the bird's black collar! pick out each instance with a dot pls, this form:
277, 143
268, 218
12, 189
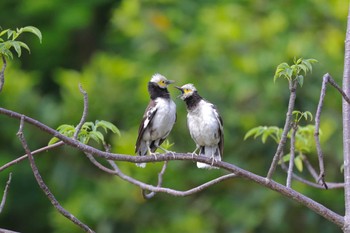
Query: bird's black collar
193, 100
155, 91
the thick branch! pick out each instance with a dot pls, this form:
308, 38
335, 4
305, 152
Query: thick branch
42, 184
287, 125
346, 126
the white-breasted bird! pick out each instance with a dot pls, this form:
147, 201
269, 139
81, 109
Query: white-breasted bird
158, 119
204, 123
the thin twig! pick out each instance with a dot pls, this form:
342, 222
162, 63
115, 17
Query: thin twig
159, 184
292, 155
330, 185
286, 128
85, 111
35, 152
2, 73
42, 184
317, 130
334, 84
3, 200
116, 171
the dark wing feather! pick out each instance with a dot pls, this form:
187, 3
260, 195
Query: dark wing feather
146, 122
221, 130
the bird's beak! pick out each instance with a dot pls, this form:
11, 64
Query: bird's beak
180, 89
170, 82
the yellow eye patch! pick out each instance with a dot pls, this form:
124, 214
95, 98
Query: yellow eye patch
186, 91
162, 83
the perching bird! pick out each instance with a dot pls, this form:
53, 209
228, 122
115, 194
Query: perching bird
204, 123
158, 119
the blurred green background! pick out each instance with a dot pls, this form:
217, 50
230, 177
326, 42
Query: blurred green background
228, 49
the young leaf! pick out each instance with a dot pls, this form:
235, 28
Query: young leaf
33, 30
53, 141
298, 163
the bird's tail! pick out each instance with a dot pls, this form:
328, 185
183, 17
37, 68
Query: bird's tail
141, 151
212, 152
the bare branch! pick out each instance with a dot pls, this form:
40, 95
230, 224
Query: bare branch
85, 111
330, 185
331, 81
2, 73
292, 155
23, 157
3, 200
159, 184
346, 126
292, 194
287, 125
116, 171
42, 184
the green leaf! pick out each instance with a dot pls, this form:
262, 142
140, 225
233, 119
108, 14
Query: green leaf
298, 163
252, 132
17, 47
107, 125
97, 136
53, 141
300, 80
33, 30
284, 159
4, 32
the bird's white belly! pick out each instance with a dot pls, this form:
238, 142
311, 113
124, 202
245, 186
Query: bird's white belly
204, 129
163, 121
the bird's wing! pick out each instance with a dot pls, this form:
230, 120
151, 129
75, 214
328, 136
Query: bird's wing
221, 129
146, 121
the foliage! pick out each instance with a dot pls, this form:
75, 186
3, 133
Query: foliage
11, 42
228, 49
293, 72
88, 131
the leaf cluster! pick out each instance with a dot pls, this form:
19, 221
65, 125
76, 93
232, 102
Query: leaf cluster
294, 72
12, 42
88, 131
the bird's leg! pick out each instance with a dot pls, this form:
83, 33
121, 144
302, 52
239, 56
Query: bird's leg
195, 150
150, 152
167, 151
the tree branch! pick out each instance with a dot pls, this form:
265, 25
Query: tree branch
159, 184
313, 205
346, 126
156, 189
42, 184
85, 111
23, 157
287, 125
2, 73
3, 200
292, 155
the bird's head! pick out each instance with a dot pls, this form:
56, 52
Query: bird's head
187, 90
161, 81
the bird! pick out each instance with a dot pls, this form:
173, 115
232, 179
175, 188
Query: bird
158, 118
204, 123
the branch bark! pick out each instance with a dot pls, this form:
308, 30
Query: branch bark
3, 200
2, 73
346, 127
42, 184
286, 128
